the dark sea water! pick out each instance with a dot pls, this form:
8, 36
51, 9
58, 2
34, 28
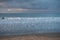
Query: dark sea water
37, 14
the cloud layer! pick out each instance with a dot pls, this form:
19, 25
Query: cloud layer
31, 4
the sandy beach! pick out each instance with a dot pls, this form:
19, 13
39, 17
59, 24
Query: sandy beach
32, 37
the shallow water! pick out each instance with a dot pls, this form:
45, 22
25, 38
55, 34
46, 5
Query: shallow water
29, 25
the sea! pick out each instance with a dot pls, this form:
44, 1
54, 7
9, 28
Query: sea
29, 23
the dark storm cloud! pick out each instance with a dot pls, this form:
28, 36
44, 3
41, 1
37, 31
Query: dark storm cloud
4, 0
32, 4
35, 4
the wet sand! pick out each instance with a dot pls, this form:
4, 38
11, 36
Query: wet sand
32, 37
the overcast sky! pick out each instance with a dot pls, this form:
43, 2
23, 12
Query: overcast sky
31, 4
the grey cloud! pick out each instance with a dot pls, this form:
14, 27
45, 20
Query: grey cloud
4, 0
33, 4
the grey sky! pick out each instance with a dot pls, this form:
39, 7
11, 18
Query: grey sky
31, 4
